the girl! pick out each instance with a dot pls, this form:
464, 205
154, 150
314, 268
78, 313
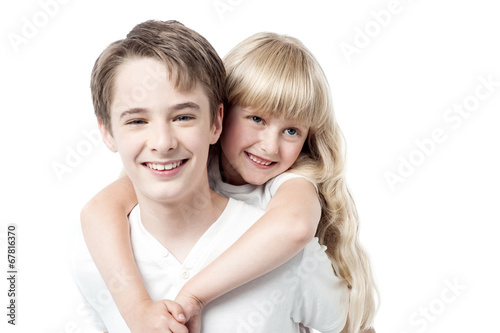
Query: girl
282, 150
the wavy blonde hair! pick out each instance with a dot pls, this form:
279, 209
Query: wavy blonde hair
279, 76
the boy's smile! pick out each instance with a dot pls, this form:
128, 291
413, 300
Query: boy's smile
164, 166
162, 133
164, 169
256, 148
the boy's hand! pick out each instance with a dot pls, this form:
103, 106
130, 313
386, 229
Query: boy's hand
157, 317
192, 309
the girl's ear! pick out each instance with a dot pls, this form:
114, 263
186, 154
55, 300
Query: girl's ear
217, 124
107, 137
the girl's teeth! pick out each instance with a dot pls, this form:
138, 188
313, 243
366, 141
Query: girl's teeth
162, 167
258, 161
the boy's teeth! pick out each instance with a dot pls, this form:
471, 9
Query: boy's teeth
256, 160
162, 167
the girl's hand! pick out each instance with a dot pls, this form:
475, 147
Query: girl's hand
157, 317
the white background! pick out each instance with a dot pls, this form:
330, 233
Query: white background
436, 227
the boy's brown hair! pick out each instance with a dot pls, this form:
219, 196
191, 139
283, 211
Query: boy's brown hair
188, 56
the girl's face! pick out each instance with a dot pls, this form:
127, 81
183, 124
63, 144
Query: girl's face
256, 148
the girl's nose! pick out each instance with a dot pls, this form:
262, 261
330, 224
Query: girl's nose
269, 142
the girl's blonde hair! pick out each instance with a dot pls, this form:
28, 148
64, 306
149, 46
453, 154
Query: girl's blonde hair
278, 76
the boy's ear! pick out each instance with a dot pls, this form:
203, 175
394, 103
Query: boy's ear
217, 124
107, 137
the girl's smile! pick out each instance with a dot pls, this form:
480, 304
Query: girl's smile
261, 162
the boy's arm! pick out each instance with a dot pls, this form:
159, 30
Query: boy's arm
106, 231
290, 222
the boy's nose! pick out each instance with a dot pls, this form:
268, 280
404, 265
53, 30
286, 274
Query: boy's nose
162, 139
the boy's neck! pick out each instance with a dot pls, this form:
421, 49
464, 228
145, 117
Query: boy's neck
179, 225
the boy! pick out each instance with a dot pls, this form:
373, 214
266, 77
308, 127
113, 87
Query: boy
158, 98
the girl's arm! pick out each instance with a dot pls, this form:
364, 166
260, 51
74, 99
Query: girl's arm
106, 231
290, 222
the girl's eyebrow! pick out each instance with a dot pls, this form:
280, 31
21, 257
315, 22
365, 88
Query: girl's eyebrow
253, 112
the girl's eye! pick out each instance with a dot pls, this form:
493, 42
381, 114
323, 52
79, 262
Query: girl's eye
291, 131
257, 119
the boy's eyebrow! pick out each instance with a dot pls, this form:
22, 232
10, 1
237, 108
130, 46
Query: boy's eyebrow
187, 105
176, 107
133, 111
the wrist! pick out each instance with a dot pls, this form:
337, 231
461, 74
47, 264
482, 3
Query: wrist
135, 310
191, 304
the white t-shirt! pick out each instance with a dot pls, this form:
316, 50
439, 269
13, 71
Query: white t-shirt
303, 290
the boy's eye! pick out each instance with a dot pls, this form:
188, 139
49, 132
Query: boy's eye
135, 122
184, 118
256, 119
291, 131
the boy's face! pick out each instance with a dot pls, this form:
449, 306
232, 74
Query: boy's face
259, 147
162, 134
